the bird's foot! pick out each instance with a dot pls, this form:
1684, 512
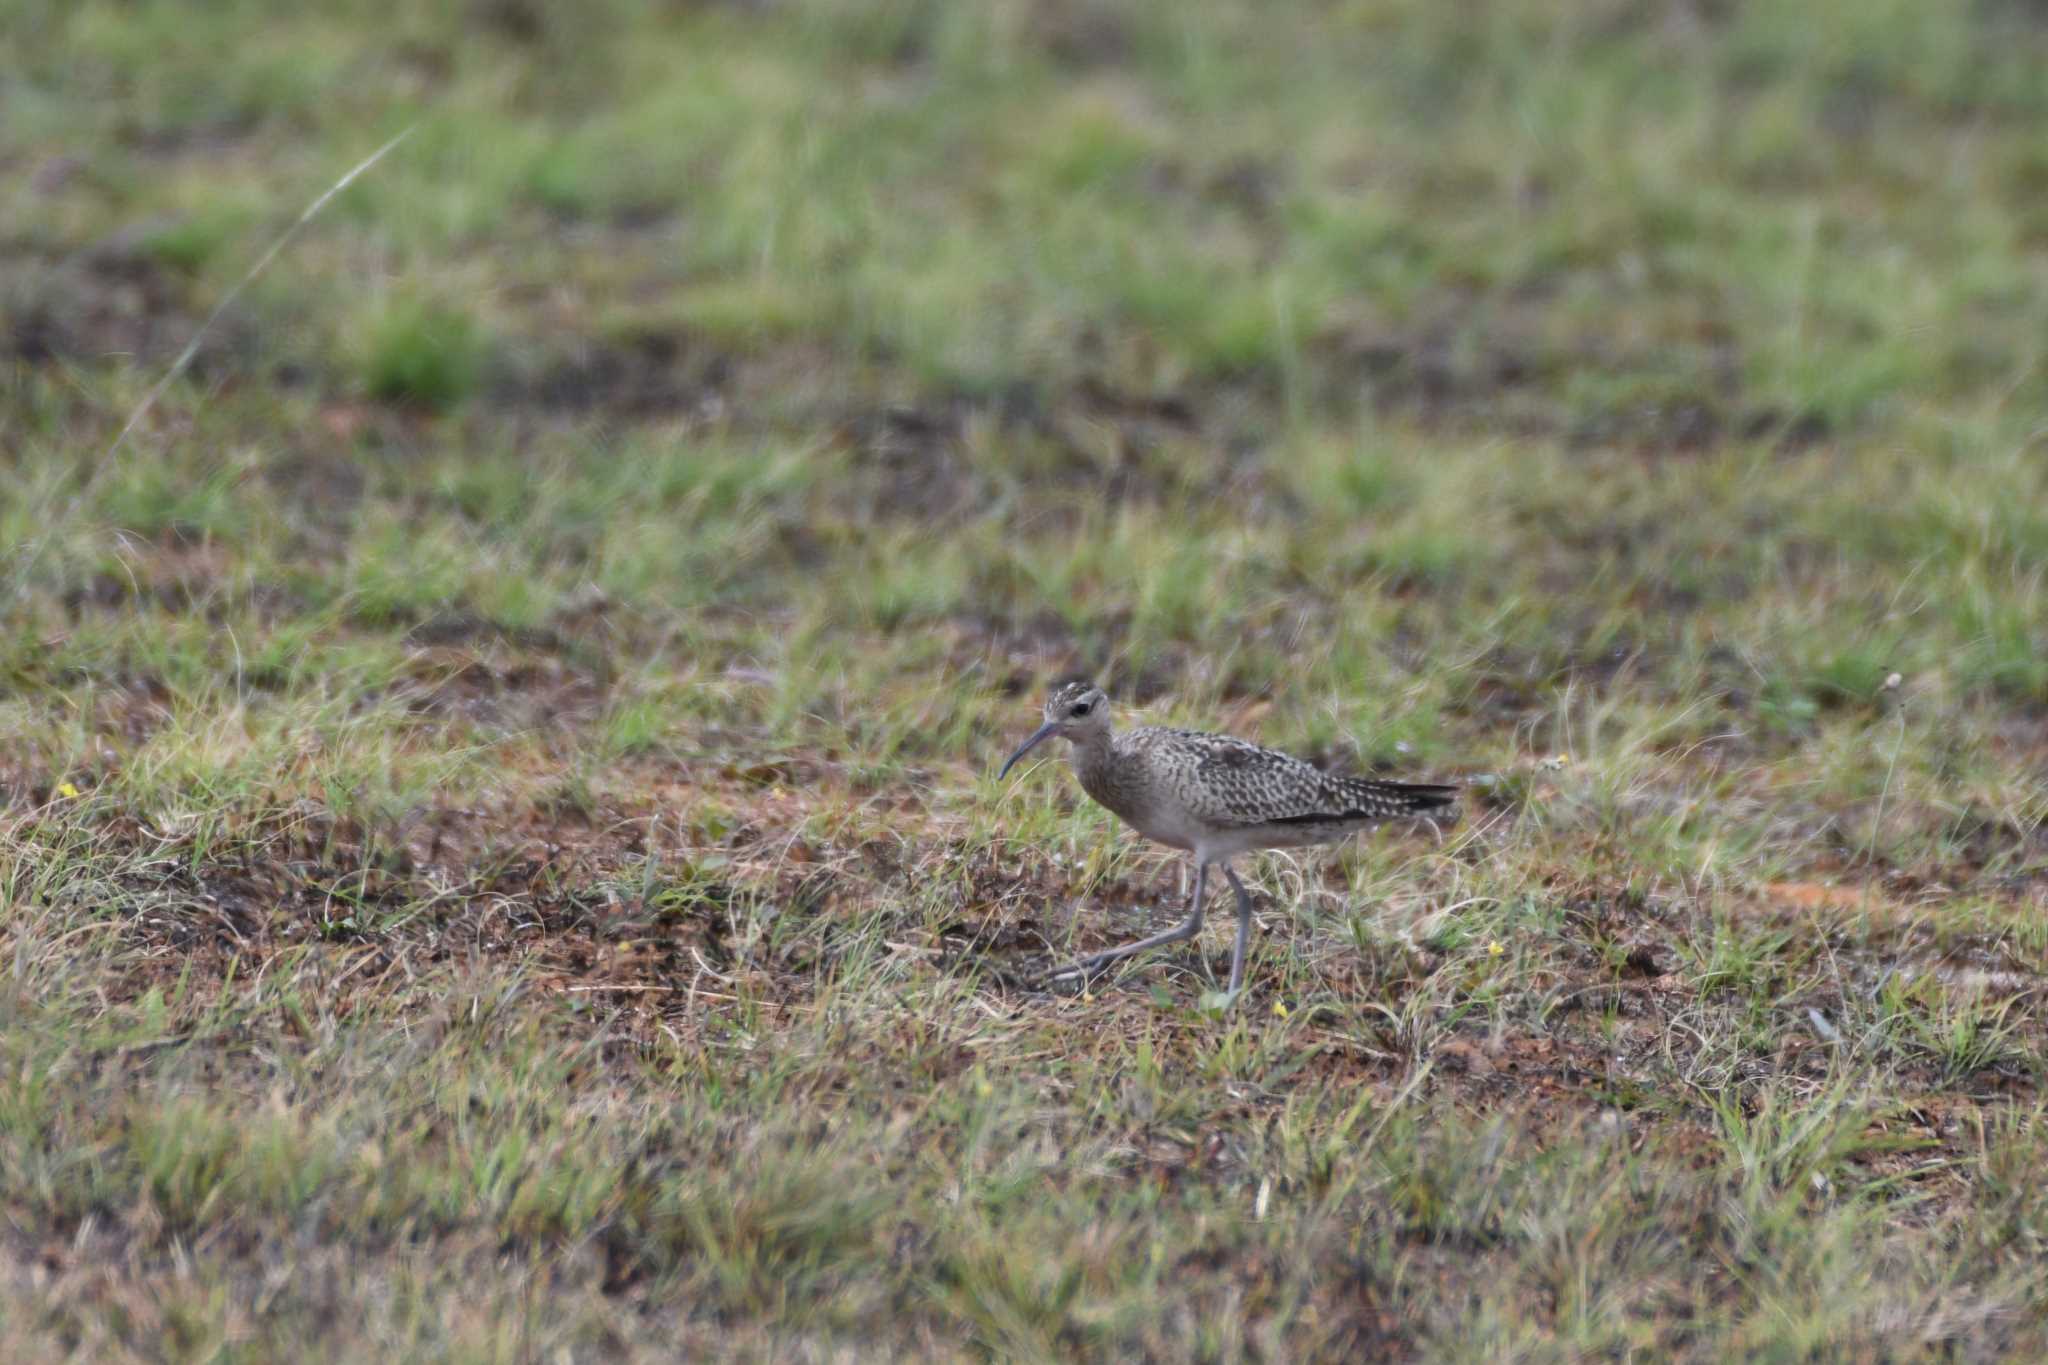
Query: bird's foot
1094, 963
1082, 970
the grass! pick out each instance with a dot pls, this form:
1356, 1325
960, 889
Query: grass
498, 852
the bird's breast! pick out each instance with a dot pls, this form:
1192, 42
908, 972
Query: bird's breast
1122, 789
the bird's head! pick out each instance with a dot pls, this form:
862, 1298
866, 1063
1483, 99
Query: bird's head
1075, 711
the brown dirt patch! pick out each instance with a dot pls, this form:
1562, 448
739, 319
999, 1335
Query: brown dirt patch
179, 572
1082, 35
1474, 365
111, 301
652, 374
910, 463
1103, 444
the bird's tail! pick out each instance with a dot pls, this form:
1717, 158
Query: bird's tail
1369, 796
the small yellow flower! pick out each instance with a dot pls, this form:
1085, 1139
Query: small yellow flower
1493, 948
67, 791
1279, 1010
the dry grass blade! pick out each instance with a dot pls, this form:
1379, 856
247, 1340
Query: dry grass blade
227, 300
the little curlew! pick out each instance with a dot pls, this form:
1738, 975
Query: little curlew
1214, 796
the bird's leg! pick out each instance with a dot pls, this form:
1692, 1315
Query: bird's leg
1088, 966
1244, 929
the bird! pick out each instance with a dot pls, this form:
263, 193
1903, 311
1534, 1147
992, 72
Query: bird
1215, 796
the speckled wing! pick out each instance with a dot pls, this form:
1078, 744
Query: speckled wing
1239, 783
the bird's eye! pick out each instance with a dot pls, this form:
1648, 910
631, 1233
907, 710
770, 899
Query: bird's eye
1082, 708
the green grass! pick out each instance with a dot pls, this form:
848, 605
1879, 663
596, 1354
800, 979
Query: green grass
422, 353
498, 849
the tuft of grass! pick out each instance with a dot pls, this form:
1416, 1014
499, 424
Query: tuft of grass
425, 353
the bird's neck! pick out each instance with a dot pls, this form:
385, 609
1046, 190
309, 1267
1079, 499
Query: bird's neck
1093, 751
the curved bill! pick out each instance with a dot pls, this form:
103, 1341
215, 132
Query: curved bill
1044, 732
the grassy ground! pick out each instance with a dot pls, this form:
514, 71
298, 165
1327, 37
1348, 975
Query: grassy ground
498, 857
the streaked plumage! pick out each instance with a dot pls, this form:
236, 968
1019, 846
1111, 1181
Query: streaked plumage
1216, 796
